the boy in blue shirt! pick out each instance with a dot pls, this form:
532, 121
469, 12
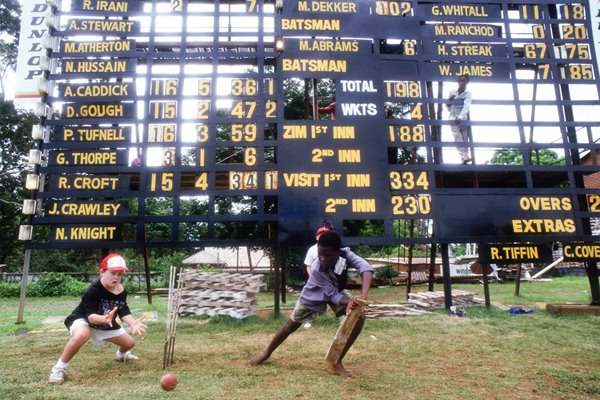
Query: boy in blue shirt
321, 290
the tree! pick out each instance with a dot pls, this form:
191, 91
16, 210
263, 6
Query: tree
10, 21
515, 157
15, 130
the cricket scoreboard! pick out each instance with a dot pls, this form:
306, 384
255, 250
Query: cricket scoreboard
193, 123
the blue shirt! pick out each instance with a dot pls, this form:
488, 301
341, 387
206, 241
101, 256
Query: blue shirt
322, 286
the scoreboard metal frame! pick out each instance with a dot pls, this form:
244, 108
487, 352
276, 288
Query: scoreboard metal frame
183, 103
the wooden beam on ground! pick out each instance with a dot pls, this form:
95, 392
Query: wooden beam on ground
573, 308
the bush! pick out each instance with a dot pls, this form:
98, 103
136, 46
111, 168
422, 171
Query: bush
133, 287
56, 284
10, 289
386, 274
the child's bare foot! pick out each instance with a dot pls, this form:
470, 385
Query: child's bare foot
339, 369
259, 359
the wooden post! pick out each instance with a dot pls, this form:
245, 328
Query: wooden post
431, 283
147, 273
486, 286
447, 279
518, 280
276, 307
24, 276
282, 273
411, 228
344, 331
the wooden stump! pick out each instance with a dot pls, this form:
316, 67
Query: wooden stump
343, 332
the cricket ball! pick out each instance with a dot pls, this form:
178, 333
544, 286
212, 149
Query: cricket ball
168, 381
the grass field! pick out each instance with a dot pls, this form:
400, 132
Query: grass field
489, 354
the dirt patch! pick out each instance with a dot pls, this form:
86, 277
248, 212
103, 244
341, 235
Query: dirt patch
265, 313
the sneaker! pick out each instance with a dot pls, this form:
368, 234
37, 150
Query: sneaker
127, 356
57, 376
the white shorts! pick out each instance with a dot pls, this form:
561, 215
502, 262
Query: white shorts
98, 335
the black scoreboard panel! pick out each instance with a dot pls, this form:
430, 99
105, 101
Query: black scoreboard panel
171, 125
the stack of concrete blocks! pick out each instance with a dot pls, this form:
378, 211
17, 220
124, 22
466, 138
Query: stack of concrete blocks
209, 293
430, 300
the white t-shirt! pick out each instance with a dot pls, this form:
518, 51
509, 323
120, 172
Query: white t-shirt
312, 253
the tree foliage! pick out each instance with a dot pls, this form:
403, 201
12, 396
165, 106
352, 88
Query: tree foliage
15, 129
10, 21
515, 157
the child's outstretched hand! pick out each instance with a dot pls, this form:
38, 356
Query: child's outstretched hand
108, 317
137, 326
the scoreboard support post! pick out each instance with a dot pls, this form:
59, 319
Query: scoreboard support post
446, 275
26, 263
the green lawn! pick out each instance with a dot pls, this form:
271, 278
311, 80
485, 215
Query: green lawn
488, 354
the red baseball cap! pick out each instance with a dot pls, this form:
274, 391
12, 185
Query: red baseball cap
113, 262
322, 229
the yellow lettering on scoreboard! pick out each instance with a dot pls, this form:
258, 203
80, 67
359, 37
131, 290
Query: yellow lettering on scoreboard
295, 132
79, 66
297, 24
543, 225
85, 209
88, 182
98, 90
98, 47
105, 5
459, 10
327, 6
95, 110
464, 30
94, 158
364, 205
480, 50
301, 179
514, 253
106, 25
344, 46
358, 180
86, 233
581, 250
300, 64
94, 134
